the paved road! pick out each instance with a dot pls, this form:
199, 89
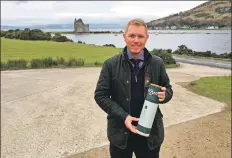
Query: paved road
49, 113
206, 62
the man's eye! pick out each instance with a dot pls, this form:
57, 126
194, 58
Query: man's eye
132, 36
140, 36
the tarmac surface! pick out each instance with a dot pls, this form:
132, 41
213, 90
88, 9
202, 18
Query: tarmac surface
205, 62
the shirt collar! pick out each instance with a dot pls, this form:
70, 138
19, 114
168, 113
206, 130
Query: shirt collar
130, 56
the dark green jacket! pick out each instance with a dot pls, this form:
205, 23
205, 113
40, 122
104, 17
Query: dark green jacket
113, 94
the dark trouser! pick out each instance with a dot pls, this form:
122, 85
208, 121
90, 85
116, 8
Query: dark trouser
136, 144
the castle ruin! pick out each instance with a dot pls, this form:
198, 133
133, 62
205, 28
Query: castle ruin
80, 27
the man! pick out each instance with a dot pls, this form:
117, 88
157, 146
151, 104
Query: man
121, 91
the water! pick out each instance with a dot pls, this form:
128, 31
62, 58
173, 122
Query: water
216, 41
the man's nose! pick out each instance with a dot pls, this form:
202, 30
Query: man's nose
136, 39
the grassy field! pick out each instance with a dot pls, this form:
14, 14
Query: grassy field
218, 88
19, 49
91, 54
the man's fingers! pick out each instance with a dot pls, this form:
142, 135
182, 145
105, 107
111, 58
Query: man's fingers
161, 100
133, 126
163, 89
134, 119
133, 129
161, 96
161, 93
129, 125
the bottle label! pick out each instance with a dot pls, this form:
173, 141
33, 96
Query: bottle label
148, 114
152, 94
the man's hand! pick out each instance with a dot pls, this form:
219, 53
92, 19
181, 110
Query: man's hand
161, 95
128, 123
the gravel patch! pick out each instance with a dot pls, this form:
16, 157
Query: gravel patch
51, 113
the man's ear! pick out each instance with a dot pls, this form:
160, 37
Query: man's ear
147, 36
124, 36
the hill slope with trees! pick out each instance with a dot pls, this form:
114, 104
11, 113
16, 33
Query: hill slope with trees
209, 14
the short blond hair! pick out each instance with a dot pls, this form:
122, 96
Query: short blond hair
137, 22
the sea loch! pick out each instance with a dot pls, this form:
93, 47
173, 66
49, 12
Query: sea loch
216, 41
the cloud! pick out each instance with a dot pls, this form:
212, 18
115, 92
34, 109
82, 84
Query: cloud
51, 12
20, 2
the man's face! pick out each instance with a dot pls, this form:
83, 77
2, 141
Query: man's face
135, 38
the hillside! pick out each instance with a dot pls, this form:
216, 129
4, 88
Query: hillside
211, 13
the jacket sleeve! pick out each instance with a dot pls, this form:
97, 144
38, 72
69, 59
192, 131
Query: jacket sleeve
103, 92
165, 82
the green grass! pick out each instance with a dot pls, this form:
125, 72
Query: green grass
19, 49
217, 88
172, 65
92, 55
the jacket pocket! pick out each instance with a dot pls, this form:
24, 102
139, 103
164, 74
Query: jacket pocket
117, 133
156, 137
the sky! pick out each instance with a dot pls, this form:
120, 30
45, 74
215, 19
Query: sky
21, 13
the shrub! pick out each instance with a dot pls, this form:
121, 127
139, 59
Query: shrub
201, 15
59, 38
49, 62
34, 34
12, 64
9, 35
48, 36
37, 34
28, 64
165, 55
229, 55
3, 66
97, 63
203, 54
3, 33
221, 10
75, 62
60, 61
226, 55
182, 49
169, 51
214, 55
36, 63
43, 63
109, 45
81, 42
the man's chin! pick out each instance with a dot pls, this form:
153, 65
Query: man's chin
135, 51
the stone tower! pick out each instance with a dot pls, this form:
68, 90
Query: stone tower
80, 27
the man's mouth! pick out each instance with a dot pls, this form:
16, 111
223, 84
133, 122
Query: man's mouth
135, 46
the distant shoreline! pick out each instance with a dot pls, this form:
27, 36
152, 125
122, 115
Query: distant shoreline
90, 32
153, 32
